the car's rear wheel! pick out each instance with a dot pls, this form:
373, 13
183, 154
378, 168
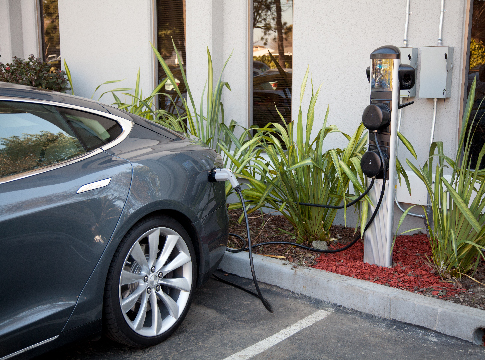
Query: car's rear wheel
150, 283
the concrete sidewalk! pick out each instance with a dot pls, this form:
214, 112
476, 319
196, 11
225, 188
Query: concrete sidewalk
445, 317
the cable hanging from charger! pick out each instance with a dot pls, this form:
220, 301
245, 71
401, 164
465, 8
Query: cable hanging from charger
226, 174
327, 251
223, 175
360, 197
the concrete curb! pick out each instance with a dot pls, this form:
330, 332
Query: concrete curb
442, 316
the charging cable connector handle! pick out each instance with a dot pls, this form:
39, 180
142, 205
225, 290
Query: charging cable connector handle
217, 174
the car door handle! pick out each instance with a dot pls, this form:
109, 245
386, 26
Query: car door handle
94, 185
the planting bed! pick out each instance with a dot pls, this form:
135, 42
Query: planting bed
412, 267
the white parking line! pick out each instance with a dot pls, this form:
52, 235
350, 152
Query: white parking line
265, 344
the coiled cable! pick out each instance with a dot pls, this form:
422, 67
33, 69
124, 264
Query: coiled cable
250, 246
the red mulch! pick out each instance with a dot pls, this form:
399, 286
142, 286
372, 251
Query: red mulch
411, 270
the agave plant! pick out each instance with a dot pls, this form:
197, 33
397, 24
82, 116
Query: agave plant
457, 224
241, 154
206, 125
297, 169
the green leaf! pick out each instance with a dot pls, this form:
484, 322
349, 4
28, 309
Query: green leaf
463, 207
408, 145
69, 78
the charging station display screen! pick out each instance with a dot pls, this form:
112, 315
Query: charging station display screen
381, 79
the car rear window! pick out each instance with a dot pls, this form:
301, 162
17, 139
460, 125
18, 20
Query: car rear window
92, 130
34, 136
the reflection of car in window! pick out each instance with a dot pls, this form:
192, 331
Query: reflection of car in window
259, 67
271, 91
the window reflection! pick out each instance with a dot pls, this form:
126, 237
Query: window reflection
171, 25
33, 136
477, 70
30, 141
51, 48
272, 61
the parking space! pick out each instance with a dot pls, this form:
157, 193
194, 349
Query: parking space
224, 322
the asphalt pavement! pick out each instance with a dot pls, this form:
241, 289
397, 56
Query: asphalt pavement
227, 323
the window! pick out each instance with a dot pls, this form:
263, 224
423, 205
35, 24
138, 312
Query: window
477, 70
91, 130
34, 136
171, 26
51, 49
272, 61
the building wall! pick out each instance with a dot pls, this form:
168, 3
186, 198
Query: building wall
110, 40
107, 40
336, 45
222, 27
334, 40
19, 26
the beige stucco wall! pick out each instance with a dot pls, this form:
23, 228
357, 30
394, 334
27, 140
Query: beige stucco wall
110, 40
221, 26
107, 40
335, 39
19, 34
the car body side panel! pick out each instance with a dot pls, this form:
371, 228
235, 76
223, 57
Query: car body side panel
58, 244
173, 170
172, 181
51, 239
213, 237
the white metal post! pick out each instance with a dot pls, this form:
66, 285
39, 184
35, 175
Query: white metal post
378, 238
392, 162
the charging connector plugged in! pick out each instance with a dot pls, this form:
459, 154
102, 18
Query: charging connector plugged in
222, 174
218, 174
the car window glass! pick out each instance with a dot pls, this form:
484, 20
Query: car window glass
33, 136
92, 130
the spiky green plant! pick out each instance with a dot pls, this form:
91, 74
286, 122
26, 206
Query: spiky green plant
144, 107
206, 124
297, 169
457, 233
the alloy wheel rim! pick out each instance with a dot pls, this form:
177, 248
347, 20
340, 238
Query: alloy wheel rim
155, 281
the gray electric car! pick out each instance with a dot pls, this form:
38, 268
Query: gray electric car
107, 222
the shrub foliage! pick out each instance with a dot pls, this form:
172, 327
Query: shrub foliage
33, 72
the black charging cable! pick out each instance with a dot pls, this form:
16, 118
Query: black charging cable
265, 302
346, 205
339, 206
327, 251
249, 248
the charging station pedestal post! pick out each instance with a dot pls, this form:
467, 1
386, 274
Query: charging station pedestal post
380, 117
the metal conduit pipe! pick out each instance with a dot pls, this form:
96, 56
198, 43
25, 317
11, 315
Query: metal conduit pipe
406, 43
406, 24
440, 40
435, 106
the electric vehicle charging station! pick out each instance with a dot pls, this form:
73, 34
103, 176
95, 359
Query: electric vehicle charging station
387, 78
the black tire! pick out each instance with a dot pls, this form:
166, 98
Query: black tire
142, 277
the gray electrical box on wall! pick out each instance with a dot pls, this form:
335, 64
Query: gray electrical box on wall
436, 65
409, 56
